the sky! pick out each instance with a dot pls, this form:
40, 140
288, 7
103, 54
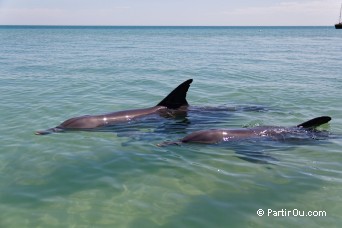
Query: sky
170, 12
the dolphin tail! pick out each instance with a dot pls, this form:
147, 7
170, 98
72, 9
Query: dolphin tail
313, 123
168, 143
258, 158
177, 97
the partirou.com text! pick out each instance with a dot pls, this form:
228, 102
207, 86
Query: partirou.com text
290, 212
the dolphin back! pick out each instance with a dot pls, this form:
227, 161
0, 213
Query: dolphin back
313, 123
177, 97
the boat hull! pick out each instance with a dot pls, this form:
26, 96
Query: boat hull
338, 26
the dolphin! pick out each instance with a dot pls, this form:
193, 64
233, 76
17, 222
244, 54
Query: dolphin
215, 136
171, 105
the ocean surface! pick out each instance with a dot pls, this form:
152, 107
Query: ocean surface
243, 77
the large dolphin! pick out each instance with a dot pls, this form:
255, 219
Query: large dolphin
172, 103
214, 136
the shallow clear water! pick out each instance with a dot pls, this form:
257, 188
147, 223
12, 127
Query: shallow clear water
122, 179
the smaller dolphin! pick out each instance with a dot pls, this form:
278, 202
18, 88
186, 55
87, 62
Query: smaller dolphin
172, 104
214, 136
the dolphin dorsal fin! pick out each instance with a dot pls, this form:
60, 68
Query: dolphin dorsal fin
315, 122
177, 97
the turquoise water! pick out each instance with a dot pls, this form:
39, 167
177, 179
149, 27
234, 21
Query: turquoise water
122, 179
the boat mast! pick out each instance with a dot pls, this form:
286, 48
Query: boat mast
340, 14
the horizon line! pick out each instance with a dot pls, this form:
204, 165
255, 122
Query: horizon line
56, 25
